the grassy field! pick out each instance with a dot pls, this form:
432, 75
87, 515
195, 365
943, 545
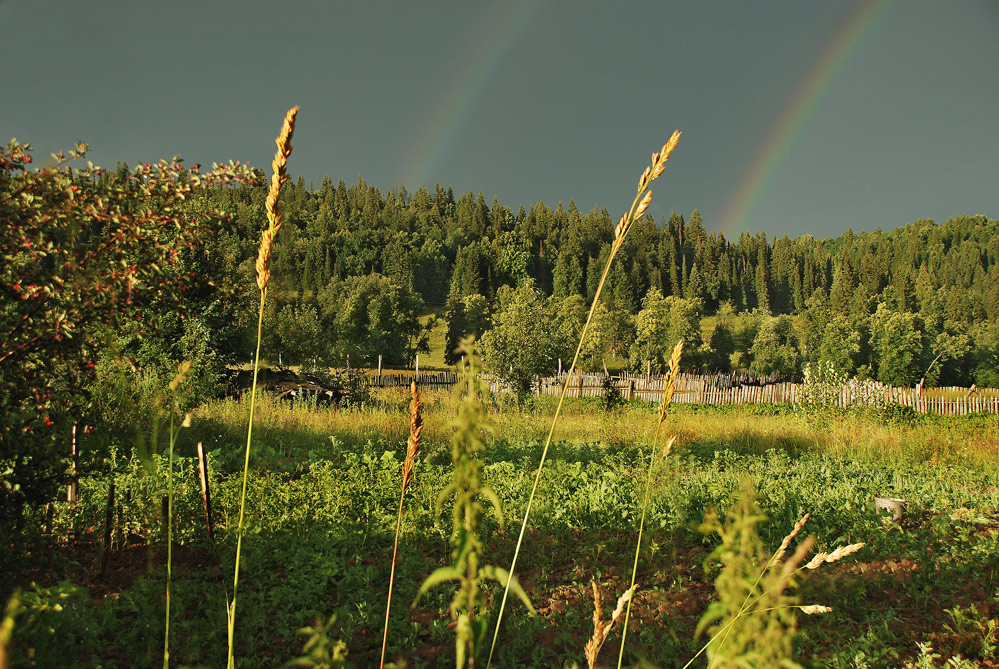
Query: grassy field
323, 491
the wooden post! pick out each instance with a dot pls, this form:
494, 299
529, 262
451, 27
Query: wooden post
71, 493
560, 366
580, 385
417, 366
206, 493
631, 389
648, 368
379, 365
108, 527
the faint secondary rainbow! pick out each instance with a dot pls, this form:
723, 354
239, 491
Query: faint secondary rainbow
758, 176
504, 27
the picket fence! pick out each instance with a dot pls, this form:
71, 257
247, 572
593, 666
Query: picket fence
710, 389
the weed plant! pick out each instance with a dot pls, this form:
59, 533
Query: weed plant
471, 429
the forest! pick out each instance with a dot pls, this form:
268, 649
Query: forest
356, 269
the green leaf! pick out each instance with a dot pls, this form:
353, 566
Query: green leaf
495, 501
501, 576
436, 578
715, 611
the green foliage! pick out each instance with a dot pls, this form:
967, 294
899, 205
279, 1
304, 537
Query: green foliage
775, 348
373, 316
469, 315
298, 336
899, 347
662, 322
528, 337
320, 650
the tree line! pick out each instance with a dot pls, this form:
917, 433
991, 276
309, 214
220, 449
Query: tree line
357, 267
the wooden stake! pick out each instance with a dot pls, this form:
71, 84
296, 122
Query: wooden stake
71, 495
108, 527
206, 494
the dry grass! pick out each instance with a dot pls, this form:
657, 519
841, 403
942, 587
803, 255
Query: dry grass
601, 627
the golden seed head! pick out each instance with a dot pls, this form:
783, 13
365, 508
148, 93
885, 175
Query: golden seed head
843, 551
182, 370
644, 204
622, 600
787, 540
659, 166
643, 180
669, 446
622, 226
415, 433
817, 561
812, 609
272, 207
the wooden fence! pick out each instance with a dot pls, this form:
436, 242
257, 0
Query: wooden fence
697, 389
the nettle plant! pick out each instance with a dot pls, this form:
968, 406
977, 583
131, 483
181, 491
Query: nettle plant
467, 446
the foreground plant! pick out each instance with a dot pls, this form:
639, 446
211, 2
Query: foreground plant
469, 441
601, 627
274, 221
412, 452
754, 620
643, 198
664, 404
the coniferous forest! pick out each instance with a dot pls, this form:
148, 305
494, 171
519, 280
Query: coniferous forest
356, 267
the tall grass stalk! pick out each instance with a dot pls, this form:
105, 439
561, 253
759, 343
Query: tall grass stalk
412, 452
274, 220
643, 198
182, 371
668, 390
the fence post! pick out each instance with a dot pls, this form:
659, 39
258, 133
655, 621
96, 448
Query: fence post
379, 366
71, 495
417, 366
108, 526
206, 493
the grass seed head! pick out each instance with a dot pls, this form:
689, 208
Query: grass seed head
644, 204
812, 609
278, 178
415, 432
659, 159
601, 627
790, 537
182, 371
669, 446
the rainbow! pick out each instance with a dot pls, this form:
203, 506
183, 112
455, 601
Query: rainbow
505, 26
757, 178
